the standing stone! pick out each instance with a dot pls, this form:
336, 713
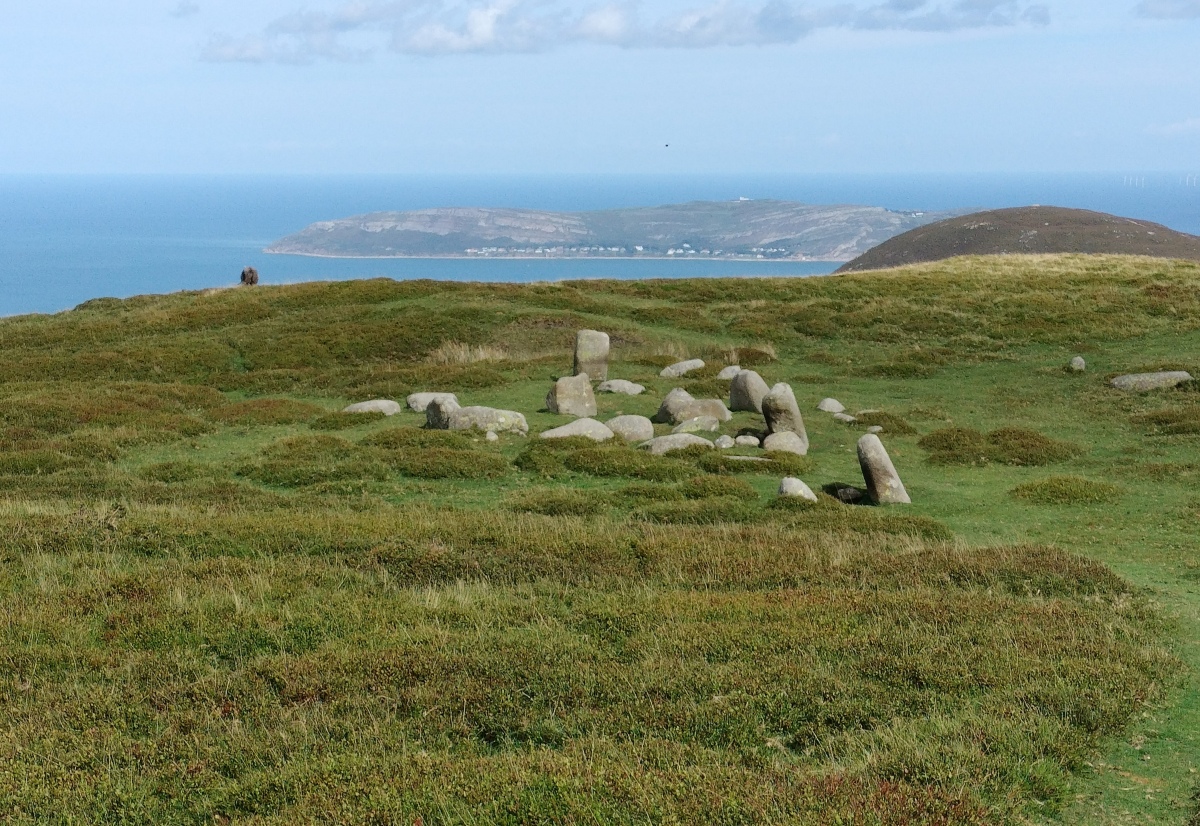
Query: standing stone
439, 411
249, 277
572, 396
746, 392
729, 372
1077, 365
793, 488
883, 483
783, 413
591, 354
631, 428
786, 442
831, 406
682, 368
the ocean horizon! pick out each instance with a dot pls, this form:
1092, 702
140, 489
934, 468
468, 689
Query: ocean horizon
65, 239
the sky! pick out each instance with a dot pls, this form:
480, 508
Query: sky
547, 86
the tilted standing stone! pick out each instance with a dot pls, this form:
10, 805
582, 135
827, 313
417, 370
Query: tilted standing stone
746, 392
782, 413
572, 396
883, 483
591, 354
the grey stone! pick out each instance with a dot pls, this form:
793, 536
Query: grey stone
831, 406
724, 442
591, 354
883, 483
625, 388
729, 372
746, 392
868, 412
844, 418
1141, 382
419, 401
572, 396
746, 459
590, 428
681, 368
676, 441
875, 428
783, 413
787, 442
748, 441
700, 424
679, 406
631, 428
793, 488
385, 406
492, 436
1077, 365
438, 413
487, 419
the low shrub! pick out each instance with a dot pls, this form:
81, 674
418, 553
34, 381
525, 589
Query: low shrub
639, 493
558, 502
266, 412
828, 514
627, 463
1067, 490
712, 487
1008, 445
890, 422
1178, 421
178, 471
448, 463
711, 511
345, 421
776, 462
416, 437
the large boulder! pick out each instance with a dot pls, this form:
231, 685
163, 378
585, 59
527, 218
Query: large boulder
679, 406
883, 483
572, 396
385, 406
831, 406
682, 368
676, 441
793, 488
625, 388
439, 411
631, 428
591, 354
746, 392
488, 419
1142, 382
700, 424
786, 442
590, 428
419, 401
783, 413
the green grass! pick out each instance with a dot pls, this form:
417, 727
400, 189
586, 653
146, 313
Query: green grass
223, 599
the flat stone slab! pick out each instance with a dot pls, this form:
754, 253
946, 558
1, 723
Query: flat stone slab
625, 388
845, 418
418, 402
1142, 382
831, 406
385, 406
590, 428
676, 441
487, 419
699, 424
631, 428
682, 368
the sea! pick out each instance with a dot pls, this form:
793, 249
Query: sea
69, 238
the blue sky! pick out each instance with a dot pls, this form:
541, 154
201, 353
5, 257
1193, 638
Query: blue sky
512, 86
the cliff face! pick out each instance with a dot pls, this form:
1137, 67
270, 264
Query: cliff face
1029, 230
768, 229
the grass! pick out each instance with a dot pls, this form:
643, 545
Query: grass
226, 602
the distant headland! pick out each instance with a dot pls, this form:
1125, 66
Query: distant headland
742, 229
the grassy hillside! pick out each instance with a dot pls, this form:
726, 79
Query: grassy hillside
226, 602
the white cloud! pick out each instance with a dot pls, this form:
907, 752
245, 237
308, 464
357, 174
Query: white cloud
1169, 9
1191, 126
438, 27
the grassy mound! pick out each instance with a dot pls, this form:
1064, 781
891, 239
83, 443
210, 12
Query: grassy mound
1008, 445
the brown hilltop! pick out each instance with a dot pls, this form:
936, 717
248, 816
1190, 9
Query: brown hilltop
1034, 229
